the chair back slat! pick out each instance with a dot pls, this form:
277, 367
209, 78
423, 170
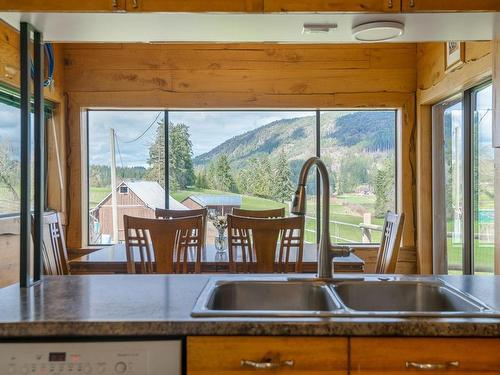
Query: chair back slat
54, 252
390, 243
163, 244
264, 245
162, 213
274, 213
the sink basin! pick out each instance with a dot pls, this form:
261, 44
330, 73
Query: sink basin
412, 297
266, 298
371, 296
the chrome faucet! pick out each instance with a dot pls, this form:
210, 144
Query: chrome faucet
326, 250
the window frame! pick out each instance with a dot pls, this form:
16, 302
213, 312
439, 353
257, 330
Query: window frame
440, 264
316, 112
11, 96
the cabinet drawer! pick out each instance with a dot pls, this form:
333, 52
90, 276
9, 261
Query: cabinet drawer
224, 355
394, 356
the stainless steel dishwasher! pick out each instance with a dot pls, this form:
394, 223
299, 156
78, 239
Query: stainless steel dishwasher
151, 357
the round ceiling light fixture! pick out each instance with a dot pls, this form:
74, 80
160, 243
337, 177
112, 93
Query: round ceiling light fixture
378, 31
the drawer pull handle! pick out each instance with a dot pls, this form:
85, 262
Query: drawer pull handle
432, 366
266, 365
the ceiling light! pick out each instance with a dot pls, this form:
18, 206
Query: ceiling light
318, 28
378, 31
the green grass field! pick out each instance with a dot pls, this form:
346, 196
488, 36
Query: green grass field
97, 194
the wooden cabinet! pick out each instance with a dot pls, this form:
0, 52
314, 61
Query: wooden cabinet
283, 355
194, 5
332, 6
251, 6
62, 6
450, 5
395, 356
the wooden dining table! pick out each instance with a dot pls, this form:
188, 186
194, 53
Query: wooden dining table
112, 259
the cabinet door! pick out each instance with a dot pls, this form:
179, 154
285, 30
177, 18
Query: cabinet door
285, 355
451, 5
332, 6
62, 6
397, 356
194, 5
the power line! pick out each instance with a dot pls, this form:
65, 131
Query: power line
145, 131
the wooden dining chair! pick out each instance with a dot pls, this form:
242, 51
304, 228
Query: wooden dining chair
54, 252
390, 243
163, 244
274, 213
265, 245
163, 213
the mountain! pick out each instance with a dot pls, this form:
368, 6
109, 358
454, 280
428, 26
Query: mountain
365, 131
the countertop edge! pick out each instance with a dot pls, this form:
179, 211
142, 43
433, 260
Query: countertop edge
411, 328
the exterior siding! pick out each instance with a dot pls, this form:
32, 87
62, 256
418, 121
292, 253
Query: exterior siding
128, 204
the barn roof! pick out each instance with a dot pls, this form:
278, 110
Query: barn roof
150, 192
216, 200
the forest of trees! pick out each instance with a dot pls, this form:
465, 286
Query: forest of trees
262, 177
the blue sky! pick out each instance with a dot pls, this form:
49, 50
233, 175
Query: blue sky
207, 128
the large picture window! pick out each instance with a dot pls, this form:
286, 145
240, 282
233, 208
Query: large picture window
248, 159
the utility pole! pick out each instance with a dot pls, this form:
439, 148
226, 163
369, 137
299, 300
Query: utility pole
113, 185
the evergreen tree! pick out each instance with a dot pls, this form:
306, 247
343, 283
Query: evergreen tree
181, 171
156, 161
263, 178
384, 189
282, 185
220, 176
246, 177
201, 179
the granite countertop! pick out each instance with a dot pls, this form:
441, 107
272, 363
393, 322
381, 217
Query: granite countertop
160, 305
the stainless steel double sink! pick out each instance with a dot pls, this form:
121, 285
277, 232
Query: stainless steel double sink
373, 296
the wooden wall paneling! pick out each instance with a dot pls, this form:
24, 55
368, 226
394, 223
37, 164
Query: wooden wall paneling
238, 76
9, 63
332, 6
407, 259
450, 5
56, 162
76, 170
434, 84
406, 170
241, 69
424, 189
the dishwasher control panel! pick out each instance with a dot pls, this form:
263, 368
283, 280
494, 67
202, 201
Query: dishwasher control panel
80, 358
